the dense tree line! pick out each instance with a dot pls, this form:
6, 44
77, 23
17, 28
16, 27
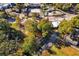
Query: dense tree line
70, 27
10, 39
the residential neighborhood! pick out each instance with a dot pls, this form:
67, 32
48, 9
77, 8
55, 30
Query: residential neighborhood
39, 29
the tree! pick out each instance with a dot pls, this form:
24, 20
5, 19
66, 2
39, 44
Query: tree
77, 7
3, 14
65, 27
30, 40
75, 21
44, 7
16, 24
63, 6
66, 7
20, 6
30, 25
58, 5
29, 44
10, 39
44, 26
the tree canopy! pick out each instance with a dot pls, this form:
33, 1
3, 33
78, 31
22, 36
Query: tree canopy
10, 39
65, 27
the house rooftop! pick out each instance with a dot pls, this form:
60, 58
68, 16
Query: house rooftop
34, 6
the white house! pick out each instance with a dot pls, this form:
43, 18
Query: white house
36, 10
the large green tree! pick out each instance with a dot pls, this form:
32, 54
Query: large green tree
30, 25
65, 27
29, 44
44, 27
75, 21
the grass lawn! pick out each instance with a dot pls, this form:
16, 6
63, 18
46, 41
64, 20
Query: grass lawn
65, 51
69, 51
57, 51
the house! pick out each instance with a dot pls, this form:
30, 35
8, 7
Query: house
1, 7
55, 16
6, 5
12, 4
8, 10
33, 9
